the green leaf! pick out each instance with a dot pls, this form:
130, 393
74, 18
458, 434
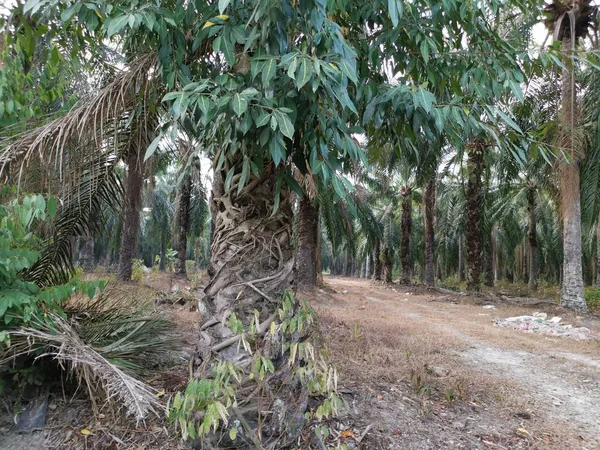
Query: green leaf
239, 104
152, 147
393, 11
268, 71
232, 433
263, 119
284, 123
116, 24
223, 4
304, 73
52, 207
227, 47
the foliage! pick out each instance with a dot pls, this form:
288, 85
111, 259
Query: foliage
22, 300
592, 298
138, 270
208, 403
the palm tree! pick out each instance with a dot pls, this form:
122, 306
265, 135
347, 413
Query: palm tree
570, 21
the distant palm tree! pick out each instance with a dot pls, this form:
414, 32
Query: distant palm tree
570, 21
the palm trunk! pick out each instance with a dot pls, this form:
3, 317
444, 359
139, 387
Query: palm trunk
377, 260
568, 172
489, 259
252, 254
87, 253
131, 212
429, 232
387, 266
474, 236
597, 281
185, 197
307, 245
406, 194
163, 253
461, 260
532, 235
319, 256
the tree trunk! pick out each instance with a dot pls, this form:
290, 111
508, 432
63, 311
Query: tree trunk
318, 255
387, 266
568, 180
597, 281
163, 253
87, 253
474, 236
406, 194
461, 260
532, 236
252, 255
307, 245
429, 201
131, 212
489, 259
185, 197
377, 260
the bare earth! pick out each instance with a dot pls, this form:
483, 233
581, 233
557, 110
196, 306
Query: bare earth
425, 370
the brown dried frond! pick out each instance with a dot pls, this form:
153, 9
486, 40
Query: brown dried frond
92, 127
562, 16
62, 343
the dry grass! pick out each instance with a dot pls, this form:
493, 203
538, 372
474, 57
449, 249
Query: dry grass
379, 336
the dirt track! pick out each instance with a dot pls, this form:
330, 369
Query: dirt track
428, 370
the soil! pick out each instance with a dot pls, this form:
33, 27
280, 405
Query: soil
422, 369
418, 369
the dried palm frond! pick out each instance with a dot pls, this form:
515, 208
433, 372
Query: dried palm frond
568, 17
61, 342
93, 127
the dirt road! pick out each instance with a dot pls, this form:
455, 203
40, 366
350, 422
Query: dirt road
425, 370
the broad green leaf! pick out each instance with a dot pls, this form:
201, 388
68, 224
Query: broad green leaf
393, 11
223, 4
152, 147
52, 207
285, 124
304, 73
116, 24
268, 71
239, 104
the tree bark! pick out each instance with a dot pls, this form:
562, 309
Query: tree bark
377, 260
597, 281
87, 253
306, 264
183, 214
387, 266
568, 172
252, 255
163, 253
429, 201
474, 199
406, 194
461, 260
532, 237
489, 259
319, 256
131, 211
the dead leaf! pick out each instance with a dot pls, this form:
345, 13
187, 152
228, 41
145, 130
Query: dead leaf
522, 432
347, 433
85, 432
160, 393
379, 396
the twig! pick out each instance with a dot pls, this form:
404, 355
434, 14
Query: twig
364, 433
249, 430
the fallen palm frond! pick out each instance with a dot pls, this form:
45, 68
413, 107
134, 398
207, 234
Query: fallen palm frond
122, 327
60, 341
